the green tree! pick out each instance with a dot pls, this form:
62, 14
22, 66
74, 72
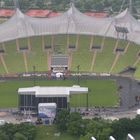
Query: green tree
62, 119
27, 130
19, 136
3, 136
86, 137
105, 133
76, 125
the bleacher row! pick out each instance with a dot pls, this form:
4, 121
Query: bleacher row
96, 56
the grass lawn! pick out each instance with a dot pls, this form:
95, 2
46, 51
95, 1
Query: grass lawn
48, 133
101, 92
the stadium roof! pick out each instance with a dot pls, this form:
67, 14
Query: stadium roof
53, 91
70, 22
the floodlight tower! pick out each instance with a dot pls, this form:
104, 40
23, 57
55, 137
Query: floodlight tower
78, 78
34, 79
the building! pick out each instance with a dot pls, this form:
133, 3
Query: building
30, 97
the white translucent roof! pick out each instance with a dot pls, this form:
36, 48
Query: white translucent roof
52, 91
70, 22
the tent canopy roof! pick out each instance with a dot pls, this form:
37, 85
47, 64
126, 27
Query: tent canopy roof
70, 22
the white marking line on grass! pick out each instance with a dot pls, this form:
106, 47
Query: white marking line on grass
25, 61
91, 42
68, 41
116, 45
70, 60
49, 59
137, 61
127, 46
103, 42
93, 60
77, 41
17, 45
43, 43
29, 43
3, 63
52, 41
115, 61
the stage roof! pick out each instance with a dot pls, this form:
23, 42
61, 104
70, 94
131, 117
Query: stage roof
52, 91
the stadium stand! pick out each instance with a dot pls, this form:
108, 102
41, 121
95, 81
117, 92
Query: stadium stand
59, 61
83, 56
127, 59
105, 58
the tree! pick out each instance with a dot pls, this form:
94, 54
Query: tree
75, 128
121, 127
19, 136
86, 137
76, 125
9, 129
28, 130
105, 133
3, 136
62, 119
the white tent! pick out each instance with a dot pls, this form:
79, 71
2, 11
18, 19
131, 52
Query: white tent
70, 22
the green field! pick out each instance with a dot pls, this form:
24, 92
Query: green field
101, 92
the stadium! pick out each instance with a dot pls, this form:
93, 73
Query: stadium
72, 44
72, 60
109, 46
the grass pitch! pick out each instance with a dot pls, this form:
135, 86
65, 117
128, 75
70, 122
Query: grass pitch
101, 92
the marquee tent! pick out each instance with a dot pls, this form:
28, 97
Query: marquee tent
70, 22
